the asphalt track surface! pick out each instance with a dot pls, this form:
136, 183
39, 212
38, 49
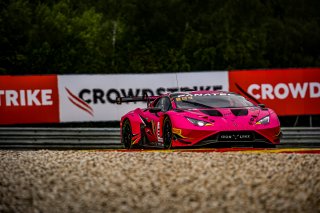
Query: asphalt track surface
178, 180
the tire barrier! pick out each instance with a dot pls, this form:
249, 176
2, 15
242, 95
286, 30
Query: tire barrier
94, 138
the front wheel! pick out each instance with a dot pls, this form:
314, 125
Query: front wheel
126, 134
167, 133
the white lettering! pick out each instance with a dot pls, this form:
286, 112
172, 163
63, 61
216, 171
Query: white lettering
46, 97
266, 91
22, 98
11, 98
283, 91
314, 89
26, 97
1, 93
254, 87
32, 97
298, 90
278, 88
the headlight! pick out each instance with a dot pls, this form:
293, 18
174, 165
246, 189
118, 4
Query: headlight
264, 120
198, 122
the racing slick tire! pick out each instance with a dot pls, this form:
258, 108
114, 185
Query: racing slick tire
167, 133
126, 138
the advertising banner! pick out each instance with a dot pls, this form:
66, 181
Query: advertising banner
81, 98
93, 97
287, 91
29, 99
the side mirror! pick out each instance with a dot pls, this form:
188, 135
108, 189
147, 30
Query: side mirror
155, 109
263, 107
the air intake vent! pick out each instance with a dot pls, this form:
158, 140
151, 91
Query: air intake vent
239, 112
212, 112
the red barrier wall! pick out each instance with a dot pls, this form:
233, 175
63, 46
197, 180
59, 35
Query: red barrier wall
36, 99
29, 99
287, 91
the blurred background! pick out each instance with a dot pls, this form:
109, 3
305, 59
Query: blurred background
142, 36
130, 36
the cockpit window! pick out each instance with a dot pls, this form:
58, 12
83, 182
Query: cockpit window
211, 101
164, 104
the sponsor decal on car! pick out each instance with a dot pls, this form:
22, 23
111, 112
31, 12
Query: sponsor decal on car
236, 137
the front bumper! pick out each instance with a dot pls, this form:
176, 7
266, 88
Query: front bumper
265, 136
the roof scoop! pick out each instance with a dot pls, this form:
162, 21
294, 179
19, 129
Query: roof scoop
212, 112
239, 112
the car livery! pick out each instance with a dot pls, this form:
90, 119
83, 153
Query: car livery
198, 118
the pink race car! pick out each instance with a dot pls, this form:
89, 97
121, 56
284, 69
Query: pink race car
198, 118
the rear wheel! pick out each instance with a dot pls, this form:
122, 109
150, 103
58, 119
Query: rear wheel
126, 134
167, 133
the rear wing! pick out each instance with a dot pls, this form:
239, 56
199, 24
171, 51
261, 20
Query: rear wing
145, 98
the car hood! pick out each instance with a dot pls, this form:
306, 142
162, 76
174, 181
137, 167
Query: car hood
246, 116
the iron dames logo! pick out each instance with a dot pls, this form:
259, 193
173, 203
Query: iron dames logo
235, 137
79, 102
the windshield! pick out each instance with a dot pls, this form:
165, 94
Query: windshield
211, 101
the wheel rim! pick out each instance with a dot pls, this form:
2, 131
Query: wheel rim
127, 135
167, 134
